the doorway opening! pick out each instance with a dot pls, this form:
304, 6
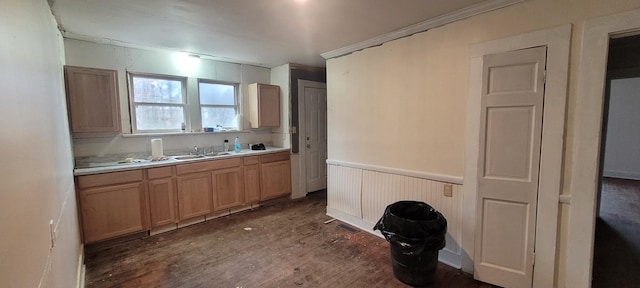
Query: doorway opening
617, 232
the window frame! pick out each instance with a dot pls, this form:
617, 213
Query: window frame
236, 100
133, 103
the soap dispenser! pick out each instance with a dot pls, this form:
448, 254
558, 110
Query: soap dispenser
237, 145
226, 145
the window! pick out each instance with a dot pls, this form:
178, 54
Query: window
218, 104
158, 103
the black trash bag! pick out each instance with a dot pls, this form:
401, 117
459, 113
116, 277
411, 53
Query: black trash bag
413, 226
415, 232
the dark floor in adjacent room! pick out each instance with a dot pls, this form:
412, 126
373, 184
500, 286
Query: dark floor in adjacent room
617, 243
287, 245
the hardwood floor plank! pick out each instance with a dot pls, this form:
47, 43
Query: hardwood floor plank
285, 244
616, 259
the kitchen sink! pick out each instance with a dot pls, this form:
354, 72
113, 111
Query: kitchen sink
217, 154
188, 157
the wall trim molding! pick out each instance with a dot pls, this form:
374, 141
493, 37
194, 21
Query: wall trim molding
80, 274
565, 199
586, 140
422, 26
411, 173
633, 175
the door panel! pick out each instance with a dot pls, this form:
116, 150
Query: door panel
505, 218
508, 166
508, 144
315, 132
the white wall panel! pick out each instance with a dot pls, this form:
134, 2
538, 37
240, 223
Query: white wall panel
622, 156
359, 196
343, 190
37, 195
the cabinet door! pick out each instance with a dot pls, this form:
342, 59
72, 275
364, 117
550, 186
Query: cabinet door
264, 105
92, 100
227, 188
194, 195
112, 211
162, 200
251, 183
276, 179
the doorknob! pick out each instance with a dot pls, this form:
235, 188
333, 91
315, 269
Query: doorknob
309, 146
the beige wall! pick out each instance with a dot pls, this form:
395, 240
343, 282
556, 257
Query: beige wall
413, 90
37, 181
402, 104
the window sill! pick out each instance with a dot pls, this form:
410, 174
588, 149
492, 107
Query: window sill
183, 133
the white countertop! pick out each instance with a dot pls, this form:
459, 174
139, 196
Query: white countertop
169, 162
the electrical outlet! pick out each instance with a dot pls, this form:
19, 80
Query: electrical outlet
448, 190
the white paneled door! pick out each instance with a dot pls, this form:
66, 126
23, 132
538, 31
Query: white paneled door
314, 100
508, 167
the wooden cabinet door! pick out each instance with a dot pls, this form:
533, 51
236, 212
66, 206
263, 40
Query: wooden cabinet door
264, 105
276, 179
162, 201
92, 96
111, 211
227, 188
194, 195
251, 183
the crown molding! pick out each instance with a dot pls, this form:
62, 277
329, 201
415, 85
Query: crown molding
422, 26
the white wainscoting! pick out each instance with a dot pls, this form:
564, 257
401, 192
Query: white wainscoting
359, 196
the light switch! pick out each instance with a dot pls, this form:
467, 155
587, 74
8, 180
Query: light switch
448, 190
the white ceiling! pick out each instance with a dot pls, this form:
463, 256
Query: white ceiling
259, 32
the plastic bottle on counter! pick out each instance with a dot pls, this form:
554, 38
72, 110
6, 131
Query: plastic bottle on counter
237, 145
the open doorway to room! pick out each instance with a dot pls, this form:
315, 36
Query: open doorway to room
617, 236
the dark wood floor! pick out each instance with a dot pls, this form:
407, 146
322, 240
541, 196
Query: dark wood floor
617, 243
281, 245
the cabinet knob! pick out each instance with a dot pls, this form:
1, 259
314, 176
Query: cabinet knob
309, 146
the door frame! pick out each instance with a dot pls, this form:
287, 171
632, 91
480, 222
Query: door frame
302, 133
587, 139
557, 40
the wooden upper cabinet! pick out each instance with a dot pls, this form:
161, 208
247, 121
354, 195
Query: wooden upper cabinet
264, 105
92, 97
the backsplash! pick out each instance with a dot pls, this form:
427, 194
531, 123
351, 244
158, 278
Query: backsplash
117, 148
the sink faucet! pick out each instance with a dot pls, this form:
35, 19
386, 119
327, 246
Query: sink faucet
195, 150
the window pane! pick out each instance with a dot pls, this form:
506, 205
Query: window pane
150, 117
152, 90
217, 94
214, 116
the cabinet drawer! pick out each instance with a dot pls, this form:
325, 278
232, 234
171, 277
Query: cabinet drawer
251, 160
274, 157
208, 165
161, 172
109, 178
